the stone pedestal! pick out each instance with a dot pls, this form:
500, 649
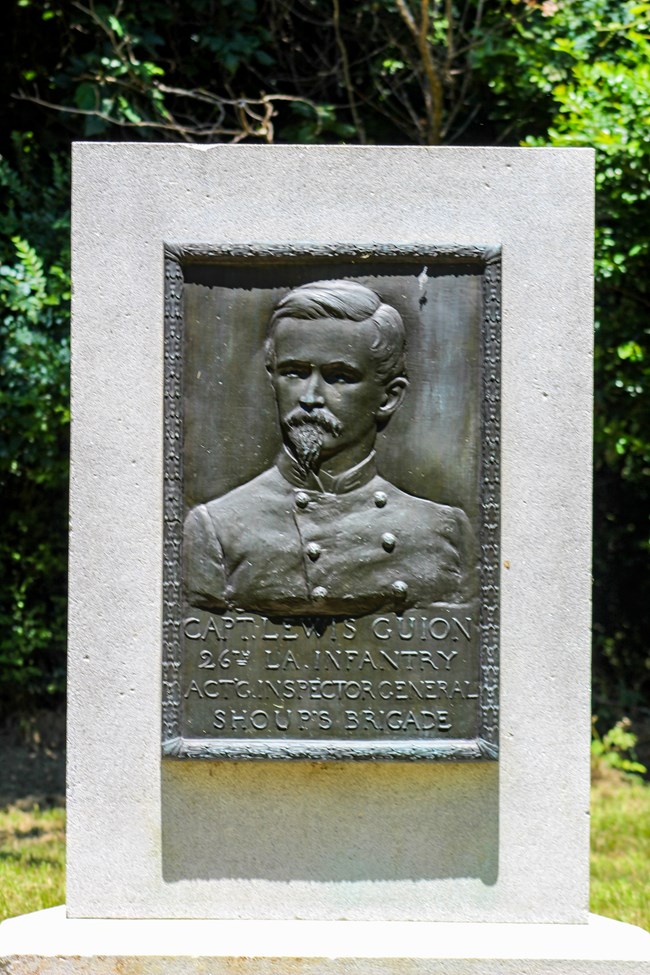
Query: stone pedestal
150, 836
48, 943
444, 868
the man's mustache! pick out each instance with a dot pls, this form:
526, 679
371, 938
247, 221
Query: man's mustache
321, 417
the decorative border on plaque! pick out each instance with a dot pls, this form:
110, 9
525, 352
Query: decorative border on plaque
485, 746
172, 496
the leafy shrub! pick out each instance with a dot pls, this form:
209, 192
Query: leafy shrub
614, 750
34, 421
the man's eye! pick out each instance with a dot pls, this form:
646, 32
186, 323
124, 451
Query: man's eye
294, 372
341, 376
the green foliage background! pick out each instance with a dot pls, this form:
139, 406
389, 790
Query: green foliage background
34, 419
509, 72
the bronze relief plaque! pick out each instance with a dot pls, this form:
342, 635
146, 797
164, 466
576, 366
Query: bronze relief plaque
331, 502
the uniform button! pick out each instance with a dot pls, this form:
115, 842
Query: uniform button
400, 589
388, 541
313, 550
319, 593
302, 499
380, 499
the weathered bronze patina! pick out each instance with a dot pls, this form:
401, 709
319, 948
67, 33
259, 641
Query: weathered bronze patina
324, 516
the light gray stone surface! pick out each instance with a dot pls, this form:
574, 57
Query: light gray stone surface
486, 842
49, 944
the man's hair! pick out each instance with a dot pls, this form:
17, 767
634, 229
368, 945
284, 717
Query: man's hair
353, 302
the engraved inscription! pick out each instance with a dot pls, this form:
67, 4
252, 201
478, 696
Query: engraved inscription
383, 675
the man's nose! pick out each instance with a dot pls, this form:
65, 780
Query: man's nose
311, 395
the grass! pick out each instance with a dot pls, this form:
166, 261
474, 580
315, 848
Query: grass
32, 854
620, 849
32, 859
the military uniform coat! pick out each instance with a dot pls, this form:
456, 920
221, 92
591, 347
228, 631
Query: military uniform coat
287, 543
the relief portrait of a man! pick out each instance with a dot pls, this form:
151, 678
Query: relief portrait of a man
322, 533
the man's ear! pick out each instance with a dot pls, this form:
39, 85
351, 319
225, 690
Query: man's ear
393, 395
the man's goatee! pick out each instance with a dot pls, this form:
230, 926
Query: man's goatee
307, 443
306, 432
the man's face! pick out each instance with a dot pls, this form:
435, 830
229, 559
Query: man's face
327, 366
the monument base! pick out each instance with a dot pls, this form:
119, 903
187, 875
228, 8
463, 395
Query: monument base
48, 943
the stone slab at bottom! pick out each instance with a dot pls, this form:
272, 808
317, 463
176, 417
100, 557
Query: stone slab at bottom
49, 943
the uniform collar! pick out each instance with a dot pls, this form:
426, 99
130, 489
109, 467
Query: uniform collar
349, 480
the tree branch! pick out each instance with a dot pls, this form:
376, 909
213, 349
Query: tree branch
431, 84
250, 123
